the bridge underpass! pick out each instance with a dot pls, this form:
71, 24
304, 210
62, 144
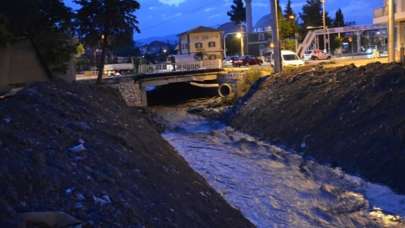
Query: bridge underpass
134, 88
178, 94
168, 87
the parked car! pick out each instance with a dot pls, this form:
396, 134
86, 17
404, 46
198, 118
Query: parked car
316, 54
115, 70
290, 58
228, 61
246, 61
232, 61
251, 60
237, 61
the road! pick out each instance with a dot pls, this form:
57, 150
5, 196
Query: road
338, 62
266, 69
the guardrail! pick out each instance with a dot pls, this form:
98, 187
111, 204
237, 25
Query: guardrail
179, 67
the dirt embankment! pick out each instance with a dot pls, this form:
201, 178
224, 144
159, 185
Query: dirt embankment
349, 117
78, 149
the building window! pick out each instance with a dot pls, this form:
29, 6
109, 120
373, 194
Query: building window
211, 44
212, 57
262, 36
198, 45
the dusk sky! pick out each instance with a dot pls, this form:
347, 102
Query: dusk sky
167, 17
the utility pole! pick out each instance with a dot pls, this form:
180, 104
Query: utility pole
249, 16
276, 37
242, 44
324, 25
391, 31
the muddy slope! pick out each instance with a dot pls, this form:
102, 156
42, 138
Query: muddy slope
78, 149
349, 117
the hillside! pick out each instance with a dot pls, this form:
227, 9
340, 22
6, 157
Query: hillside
78, 149
349, 117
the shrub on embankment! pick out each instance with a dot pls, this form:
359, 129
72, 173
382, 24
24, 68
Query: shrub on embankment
80, 150
349, 117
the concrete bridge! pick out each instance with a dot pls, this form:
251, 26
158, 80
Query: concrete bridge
206, 74
133, 88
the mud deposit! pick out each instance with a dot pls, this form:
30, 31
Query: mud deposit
348, 117
78, 149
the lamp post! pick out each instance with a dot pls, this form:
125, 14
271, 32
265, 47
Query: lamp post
391, 31
239, 35
326, 44
276, 37
242, 43
292, 17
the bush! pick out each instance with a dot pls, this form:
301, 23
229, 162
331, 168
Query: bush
288, 44
252, 76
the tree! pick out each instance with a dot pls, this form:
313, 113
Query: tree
312, 14
339, 19
5, 35
288, 10
289, 24
47, 23
105, 23
237, 12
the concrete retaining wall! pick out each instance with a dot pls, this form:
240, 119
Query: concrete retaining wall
133, 94
19, 64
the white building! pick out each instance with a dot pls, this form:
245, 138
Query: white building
381, 17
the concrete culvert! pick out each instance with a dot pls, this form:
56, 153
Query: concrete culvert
225, 90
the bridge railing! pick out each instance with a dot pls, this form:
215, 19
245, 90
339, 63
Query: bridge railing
179, 67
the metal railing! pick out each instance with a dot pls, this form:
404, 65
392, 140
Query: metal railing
311, 35
308, 40
179, 67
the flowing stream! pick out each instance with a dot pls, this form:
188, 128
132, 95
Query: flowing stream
277, 188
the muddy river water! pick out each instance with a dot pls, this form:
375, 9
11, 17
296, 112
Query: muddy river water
274, 187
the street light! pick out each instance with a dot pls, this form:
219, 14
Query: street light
292, 17
324, 27
238, 35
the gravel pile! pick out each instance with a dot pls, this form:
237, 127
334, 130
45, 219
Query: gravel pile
78, 151
349, 117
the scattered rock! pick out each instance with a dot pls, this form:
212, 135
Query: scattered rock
102, 201
78, 148
49, 219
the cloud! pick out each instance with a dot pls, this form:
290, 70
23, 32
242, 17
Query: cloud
172, 2
209, 9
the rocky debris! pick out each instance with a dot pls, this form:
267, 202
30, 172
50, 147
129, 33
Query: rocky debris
79, 150
349, 117
213, 108
48, 219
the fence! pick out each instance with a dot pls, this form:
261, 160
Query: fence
179, 67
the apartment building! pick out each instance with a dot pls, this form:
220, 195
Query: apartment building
381, 17
203, 41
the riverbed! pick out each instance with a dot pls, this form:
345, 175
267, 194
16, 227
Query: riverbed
275, 187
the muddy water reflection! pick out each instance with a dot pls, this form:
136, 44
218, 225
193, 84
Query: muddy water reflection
273, 187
